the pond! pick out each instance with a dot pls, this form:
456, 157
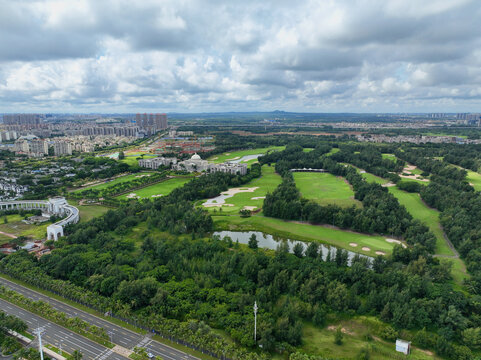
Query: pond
268, 241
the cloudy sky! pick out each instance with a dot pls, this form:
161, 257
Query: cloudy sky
195, 56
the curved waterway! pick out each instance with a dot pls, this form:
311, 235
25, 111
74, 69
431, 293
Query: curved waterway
268, 241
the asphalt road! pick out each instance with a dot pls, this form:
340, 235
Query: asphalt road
120, 336
56, 335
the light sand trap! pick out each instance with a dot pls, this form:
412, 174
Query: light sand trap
158, 195
233, 191
251, 208
362, 171
227, 194
394, 241
353, 244
380, 253
227, 154
132, 196
389, 184
216, 205
237, 157
365, 248
258, 197
140, 176
215, 158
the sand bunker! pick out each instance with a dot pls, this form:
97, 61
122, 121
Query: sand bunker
258, 197
389, 184
233, 191
365, 248
158, 195
237, 157
380, 253
215, 158
353, 244
250, 208
408, 170
132, 196
216, 205
394, 241
227, 194
139, 176
227, 154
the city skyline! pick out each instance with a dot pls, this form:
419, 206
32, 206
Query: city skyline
363, 56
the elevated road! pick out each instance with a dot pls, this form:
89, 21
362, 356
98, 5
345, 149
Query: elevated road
120, 335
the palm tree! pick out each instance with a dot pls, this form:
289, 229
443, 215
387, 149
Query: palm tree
76, 355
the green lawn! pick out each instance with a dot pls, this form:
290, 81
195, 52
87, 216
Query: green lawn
306, 232
131, 159
320, 342
307, 149
416, 207
389, 157
325, 188
164, 188
267, 182
234, 155
333, 151
16, 227
474, 178
118, 180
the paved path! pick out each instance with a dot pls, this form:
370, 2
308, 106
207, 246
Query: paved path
120, 335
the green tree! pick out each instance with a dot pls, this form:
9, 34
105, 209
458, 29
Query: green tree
338, 336
121, 155
298, 250
253, 243
76, 355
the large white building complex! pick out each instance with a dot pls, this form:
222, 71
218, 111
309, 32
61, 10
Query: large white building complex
194, 164
54, 206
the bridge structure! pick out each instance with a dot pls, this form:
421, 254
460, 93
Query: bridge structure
57, 206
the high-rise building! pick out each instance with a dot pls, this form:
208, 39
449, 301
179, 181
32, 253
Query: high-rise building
151, 123
23, 120
38, 147
62, 147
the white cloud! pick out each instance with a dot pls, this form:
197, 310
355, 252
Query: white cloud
198, 55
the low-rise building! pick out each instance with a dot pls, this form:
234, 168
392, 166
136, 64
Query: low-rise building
155, 163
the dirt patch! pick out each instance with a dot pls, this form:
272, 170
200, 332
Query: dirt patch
8, 235
343, 330
353, 244
365, 248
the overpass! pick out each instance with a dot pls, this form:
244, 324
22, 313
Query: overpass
54, 206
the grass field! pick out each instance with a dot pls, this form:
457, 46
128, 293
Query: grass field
475, 179
306, 232
118, 180
389, 157
234, 155
131, 159
420, 211
321, 341
163, 188
333, 151
16, 227
267, 182
325, 189
307, 149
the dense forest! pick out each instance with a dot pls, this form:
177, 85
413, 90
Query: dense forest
155, 260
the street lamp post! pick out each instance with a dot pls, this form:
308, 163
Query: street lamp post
255, 321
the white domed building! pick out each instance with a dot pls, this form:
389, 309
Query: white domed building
195, 163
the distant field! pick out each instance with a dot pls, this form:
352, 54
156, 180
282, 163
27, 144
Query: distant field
267, 182
307, 232
420, 211
118, 180
325, 189
131, 159
475, 179
234, 155
307, 149
16, 227
333, 151
162, 188
389, 157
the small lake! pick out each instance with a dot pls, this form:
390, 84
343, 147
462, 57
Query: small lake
268, 241
245, 158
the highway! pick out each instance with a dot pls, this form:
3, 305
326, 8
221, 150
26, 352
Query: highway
119, 335
56, 335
